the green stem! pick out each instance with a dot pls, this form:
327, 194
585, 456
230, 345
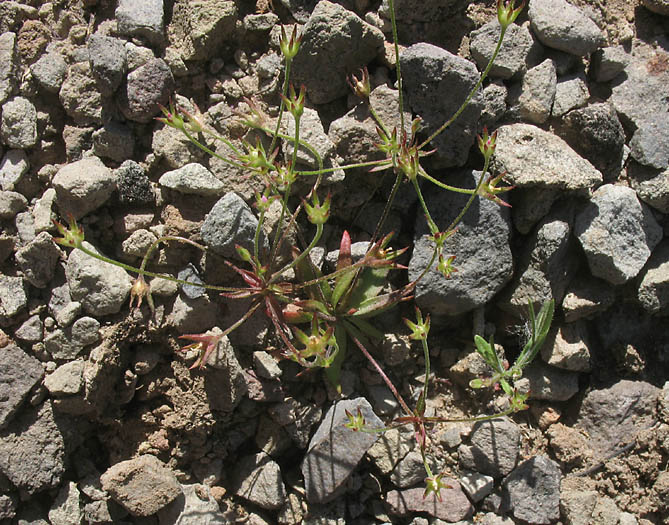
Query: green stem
471, 93
167, 238
386, 208
426, 354
429, 177
299, 258
393, 22
256, 236
224, 140
432, 225
346, 167
282, 106
212, 152
471, 198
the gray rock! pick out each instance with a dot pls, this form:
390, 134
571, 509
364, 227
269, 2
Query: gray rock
19, 123
453, 507
494, 103
66, 507
608, 62
409, 471
146, 87
538, 92
8, 505
661, 7
230, 222
259, 481
13, 167
31, 331
651, 187
337, 37
195, 506
65, 380
560, 25
114, 141
494, 448
175, 149
8, 65
142, 485
571, 92
101, 288
436, 83
617, 233
49, 71
611, 416
197, 28
141, 19
134, 187
544, 269
108, 62
43, 209
137, 55
32, 450
11, 203
567, 348
86, 331
532, 491
354, 135
138, 243
334, 450
586, 297
38, 260
266, 366
192, 179
83, 186
60, 345
311, 131
484, 259
637, 94
13, 298
19, 373
476, 486
68, 313
519, 49
653, 291
534, 157
547, 382
268, 66
596, 133
193, 315
390, 448
190, 274
650, 144
80, 96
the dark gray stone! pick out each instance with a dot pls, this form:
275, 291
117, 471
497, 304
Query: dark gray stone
494, 448
259, 481
571, 92
484, 261
342, 40
108, 62
190, 274
563, 26
31, 331
436, 84
453, 507
617, 233
544, 268
335, 450
548, 382
596, 133
650, 143
134, 187
532, 491
651, 186
49, 71
608, 62
230, 222
32, 450
654, 287
19, 373
146, 87
38, 260
114, 141
143, 19
611, 416
519, 49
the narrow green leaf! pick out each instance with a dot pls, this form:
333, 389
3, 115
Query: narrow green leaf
342, 285
370, 283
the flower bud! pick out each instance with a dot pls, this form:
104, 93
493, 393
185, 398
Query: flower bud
507, 12
290, 46
487, 143
361, 87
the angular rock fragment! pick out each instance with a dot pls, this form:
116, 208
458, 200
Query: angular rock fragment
335, 450
143, 19
654, 287
259, 481
454, 505
142, 485
532, 491
145, 88
19, 373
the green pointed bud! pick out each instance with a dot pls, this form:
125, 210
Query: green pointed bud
507, 12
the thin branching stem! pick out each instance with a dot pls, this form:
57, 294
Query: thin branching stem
282, 105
